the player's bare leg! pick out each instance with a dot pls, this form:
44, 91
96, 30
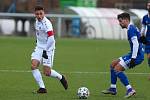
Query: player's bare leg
50, 72
37, 76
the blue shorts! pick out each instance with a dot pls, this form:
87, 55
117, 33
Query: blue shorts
125, 60
147, 48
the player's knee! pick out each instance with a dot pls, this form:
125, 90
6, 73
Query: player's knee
114, 63
33, 66
47, 72
118, 68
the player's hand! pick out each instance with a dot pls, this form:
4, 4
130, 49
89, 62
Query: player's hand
143, 39
132, 63
44, 55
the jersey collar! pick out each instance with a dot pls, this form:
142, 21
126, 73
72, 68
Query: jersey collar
128, 26
43, 20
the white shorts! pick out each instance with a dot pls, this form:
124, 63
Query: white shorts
122, 63
37, 54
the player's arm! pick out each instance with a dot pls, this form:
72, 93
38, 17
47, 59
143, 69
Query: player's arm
50, 39
50, 42
50, 34
135, 51
135, 46
143, 29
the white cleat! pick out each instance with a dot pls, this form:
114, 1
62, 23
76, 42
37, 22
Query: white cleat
130, 92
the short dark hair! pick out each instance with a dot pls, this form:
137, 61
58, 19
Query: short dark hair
124, 16
38, 7
148, 1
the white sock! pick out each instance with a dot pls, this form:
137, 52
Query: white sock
113, 85
38, 77
128, 87
56, 74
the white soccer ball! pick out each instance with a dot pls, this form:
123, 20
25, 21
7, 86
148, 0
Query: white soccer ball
83, 93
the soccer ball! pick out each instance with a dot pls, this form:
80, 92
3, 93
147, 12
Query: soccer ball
83, 93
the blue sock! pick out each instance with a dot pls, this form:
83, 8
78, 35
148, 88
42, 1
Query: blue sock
149, 62
123, 78
113, 76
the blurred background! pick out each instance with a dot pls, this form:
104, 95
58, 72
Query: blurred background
71, 18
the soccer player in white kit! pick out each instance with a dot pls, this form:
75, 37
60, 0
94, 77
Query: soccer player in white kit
44, 51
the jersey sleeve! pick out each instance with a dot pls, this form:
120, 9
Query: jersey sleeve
131, 32
50, 33
143, 21
50, 42
143, 28
135, 46
49, 28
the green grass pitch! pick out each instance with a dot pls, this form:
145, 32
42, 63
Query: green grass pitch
84, 62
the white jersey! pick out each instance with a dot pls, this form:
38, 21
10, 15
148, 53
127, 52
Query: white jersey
42, 27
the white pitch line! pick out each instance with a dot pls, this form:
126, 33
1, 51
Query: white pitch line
75, 72
105, 73
16, 71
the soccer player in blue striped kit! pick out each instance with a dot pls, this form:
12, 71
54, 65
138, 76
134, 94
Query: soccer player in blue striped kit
128, 61
145, 32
